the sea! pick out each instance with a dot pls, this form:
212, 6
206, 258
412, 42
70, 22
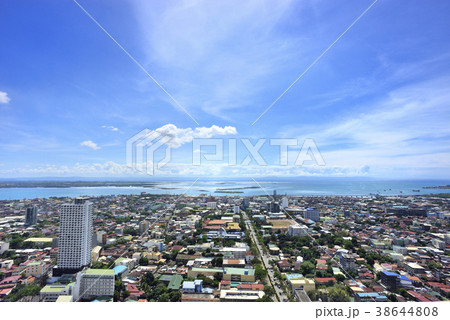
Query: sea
243, 187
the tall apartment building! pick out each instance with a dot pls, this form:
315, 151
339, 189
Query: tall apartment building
312, 214
31, 216
143, 226
245, 203
273, 207
284, 203
75, 238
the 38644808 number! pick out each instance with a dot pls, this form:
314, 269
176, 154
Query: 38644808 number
407, 311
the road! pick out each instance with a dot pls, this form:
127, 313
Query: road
265, 258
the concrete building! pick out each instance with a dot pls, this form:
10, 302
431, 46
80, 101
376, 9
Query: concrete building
211, 205
390, 279
239, 274
284, 203
52, 292
233, 295
143, 226
439, 244
347, 262
234, 252
245, 203
4, 246
273, 207
236, 209
92, 283
194, 272
298, 230
101, 237
312, 214
126, 262
75, 249
195, 286
36, 269
96, 253
302, 283
31, 216
413, 268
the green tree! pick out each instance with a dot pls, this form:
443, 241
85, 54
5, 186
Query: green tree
22, 290
338, 293
260, 273
268, 290
307, 267
98, 265
143, 261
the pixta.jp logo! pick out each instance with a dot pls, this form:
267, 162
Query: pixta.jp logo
142, 148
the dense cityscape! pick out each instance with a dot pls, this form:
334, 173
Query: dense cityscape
185, 248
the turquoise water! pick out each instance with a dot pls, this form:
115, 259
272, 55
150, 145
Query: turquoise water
244, 187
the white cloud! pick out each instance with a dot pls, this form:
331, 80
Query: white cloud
4, 97
223, 53
90, 144
112, 128
114, 169
180, 136
406, 129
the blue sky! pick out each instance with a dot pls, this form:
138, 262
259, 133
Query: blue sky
376, 104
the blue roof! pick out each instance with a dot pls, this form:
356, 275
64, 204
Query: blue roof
368, 294
402, 277
390, 274
119, 269
294, 276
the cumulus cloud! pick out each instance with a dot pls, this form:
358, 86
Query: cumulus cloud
112, 128
4, 97
113, 169
180, 136
90, 144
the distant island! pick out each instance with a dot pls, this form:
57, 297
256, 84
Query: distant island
447, 186
71, 184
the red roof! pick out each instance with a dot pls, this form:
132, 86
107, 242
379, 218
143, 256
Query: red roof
418, 296
10, 279
250, 286
134, 290
5, 291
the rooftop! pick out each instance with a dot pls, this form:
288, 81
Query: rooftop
99, 272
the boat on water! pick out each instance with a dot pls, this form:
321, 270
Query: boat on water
416, 190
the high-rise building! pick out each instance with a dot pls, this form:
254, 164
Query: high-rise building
101, 237
143, 226
75, 238
245, 203
31, 216
284, 203
273, 207
312, 214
